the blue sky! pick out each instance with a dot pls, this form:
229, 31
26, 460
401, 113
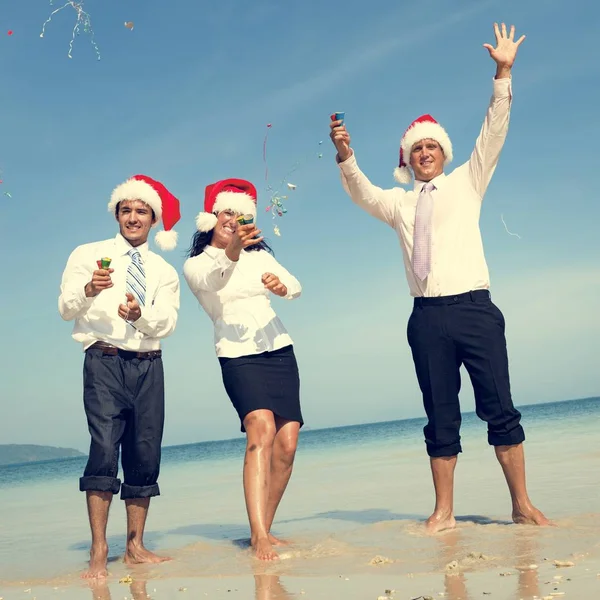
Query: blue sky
185, 97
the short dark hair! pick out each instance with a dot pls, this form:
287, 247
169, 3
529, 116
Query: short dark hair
201, 239
119, 204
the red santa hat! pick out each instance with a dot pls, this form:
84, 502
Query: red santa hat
237, 195
158, 198
423, 128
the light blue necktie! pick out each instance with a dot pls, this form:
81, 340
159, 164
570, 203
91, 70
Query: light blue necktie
421, 258
136, 277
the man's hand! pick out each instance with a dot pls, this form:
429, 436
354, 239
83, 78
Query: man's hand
341, 140
130, 311
242, 237
272, 283
505, 52
100, 281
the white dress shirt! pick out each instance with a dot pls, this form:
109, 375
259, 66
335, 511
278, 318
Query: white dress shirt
457, 259
97, 318
235, 298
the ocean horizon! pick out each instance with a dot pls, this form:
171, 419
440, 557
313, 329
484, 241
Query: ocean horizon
225, 444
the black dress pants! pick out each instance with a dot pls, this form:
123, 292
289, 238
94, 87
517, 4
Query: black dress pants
445, 333
124, 404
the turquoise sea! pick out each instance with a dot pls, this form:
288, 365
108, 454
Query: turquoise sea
356, 493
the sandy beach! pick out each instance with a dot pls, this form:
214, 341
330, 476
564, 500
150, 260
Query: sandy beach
470, 577
353, 513
477, 559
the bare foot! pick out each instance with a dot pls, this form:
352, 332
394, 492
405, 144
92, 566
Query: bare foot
275, 541
98, 560
135, 555
531, 516
440, 522
263, 549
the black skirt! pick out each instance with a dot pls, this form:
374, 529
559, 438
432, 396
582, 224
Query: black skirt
269, 380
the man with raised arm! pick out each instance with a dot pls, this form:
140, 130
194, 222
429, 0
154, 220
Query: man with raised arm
454, 321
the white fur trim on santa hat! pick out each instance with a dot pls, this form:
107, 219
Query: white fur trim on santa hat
402, 175
205, 221
135, 189
238, 202
427, 131
166, 240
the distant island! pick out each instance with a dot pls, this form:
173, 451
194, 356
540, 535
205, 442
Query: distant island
11, 454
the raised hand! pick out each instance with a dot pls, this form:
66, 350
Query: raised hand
130, 311
272, 283
244, 236
100, 281
341, 140
505, 52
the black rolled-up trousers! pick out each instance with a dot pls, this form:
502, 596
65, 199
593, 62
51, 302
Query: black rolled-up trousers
125, 407
445, 333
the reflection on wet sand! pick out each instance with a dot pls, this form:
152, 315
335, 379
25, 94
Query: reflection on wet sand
269, 587
455, 584
527, 548
101, 591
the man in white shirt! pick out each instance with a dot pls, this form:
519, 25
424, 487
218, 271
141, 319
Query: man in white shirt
121, 313
454, 321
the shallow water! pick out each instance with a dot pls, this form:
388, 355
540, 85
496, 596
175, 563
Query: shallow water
356, 493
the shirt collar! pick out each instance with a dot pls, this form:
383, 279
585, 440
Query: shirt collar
437, 181
123, 247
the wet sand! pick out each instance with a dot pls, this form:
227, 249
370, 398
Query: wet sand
547, 582
384, 560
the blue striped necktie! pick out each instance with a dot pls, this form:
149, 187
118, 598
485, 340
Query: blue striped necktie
136, 277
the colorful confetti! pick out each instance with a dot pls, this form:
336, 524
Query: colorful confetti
83, 21
276, 205
7, 194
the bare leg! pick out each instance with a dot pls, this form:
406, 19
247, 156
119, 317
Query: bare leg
260, 435
98, 504
282, 462
442, 469
512, 461
135, 553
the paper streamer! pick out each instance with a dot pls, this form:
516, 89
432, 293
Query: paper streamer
507, 231
83, 22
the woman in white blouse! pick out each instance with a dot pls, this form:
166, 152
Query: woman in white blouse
232, 273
